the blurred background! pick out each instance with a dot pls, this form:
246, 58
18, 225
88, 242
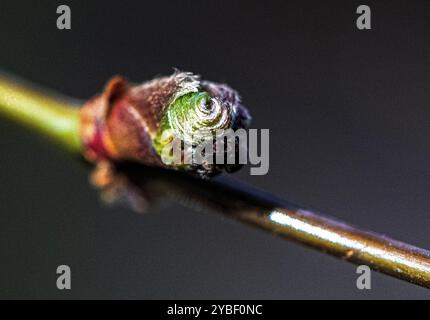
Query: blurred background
349, 119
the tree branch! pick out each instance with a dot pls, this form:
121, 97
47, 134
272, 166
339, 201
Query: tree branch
60, 121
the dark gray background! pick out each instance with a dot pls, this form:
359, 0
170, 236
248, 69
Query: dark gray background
348, 112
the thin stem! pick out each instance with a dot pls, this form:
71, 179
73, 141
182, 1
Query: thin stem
53, 117
60, 121
250, 206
